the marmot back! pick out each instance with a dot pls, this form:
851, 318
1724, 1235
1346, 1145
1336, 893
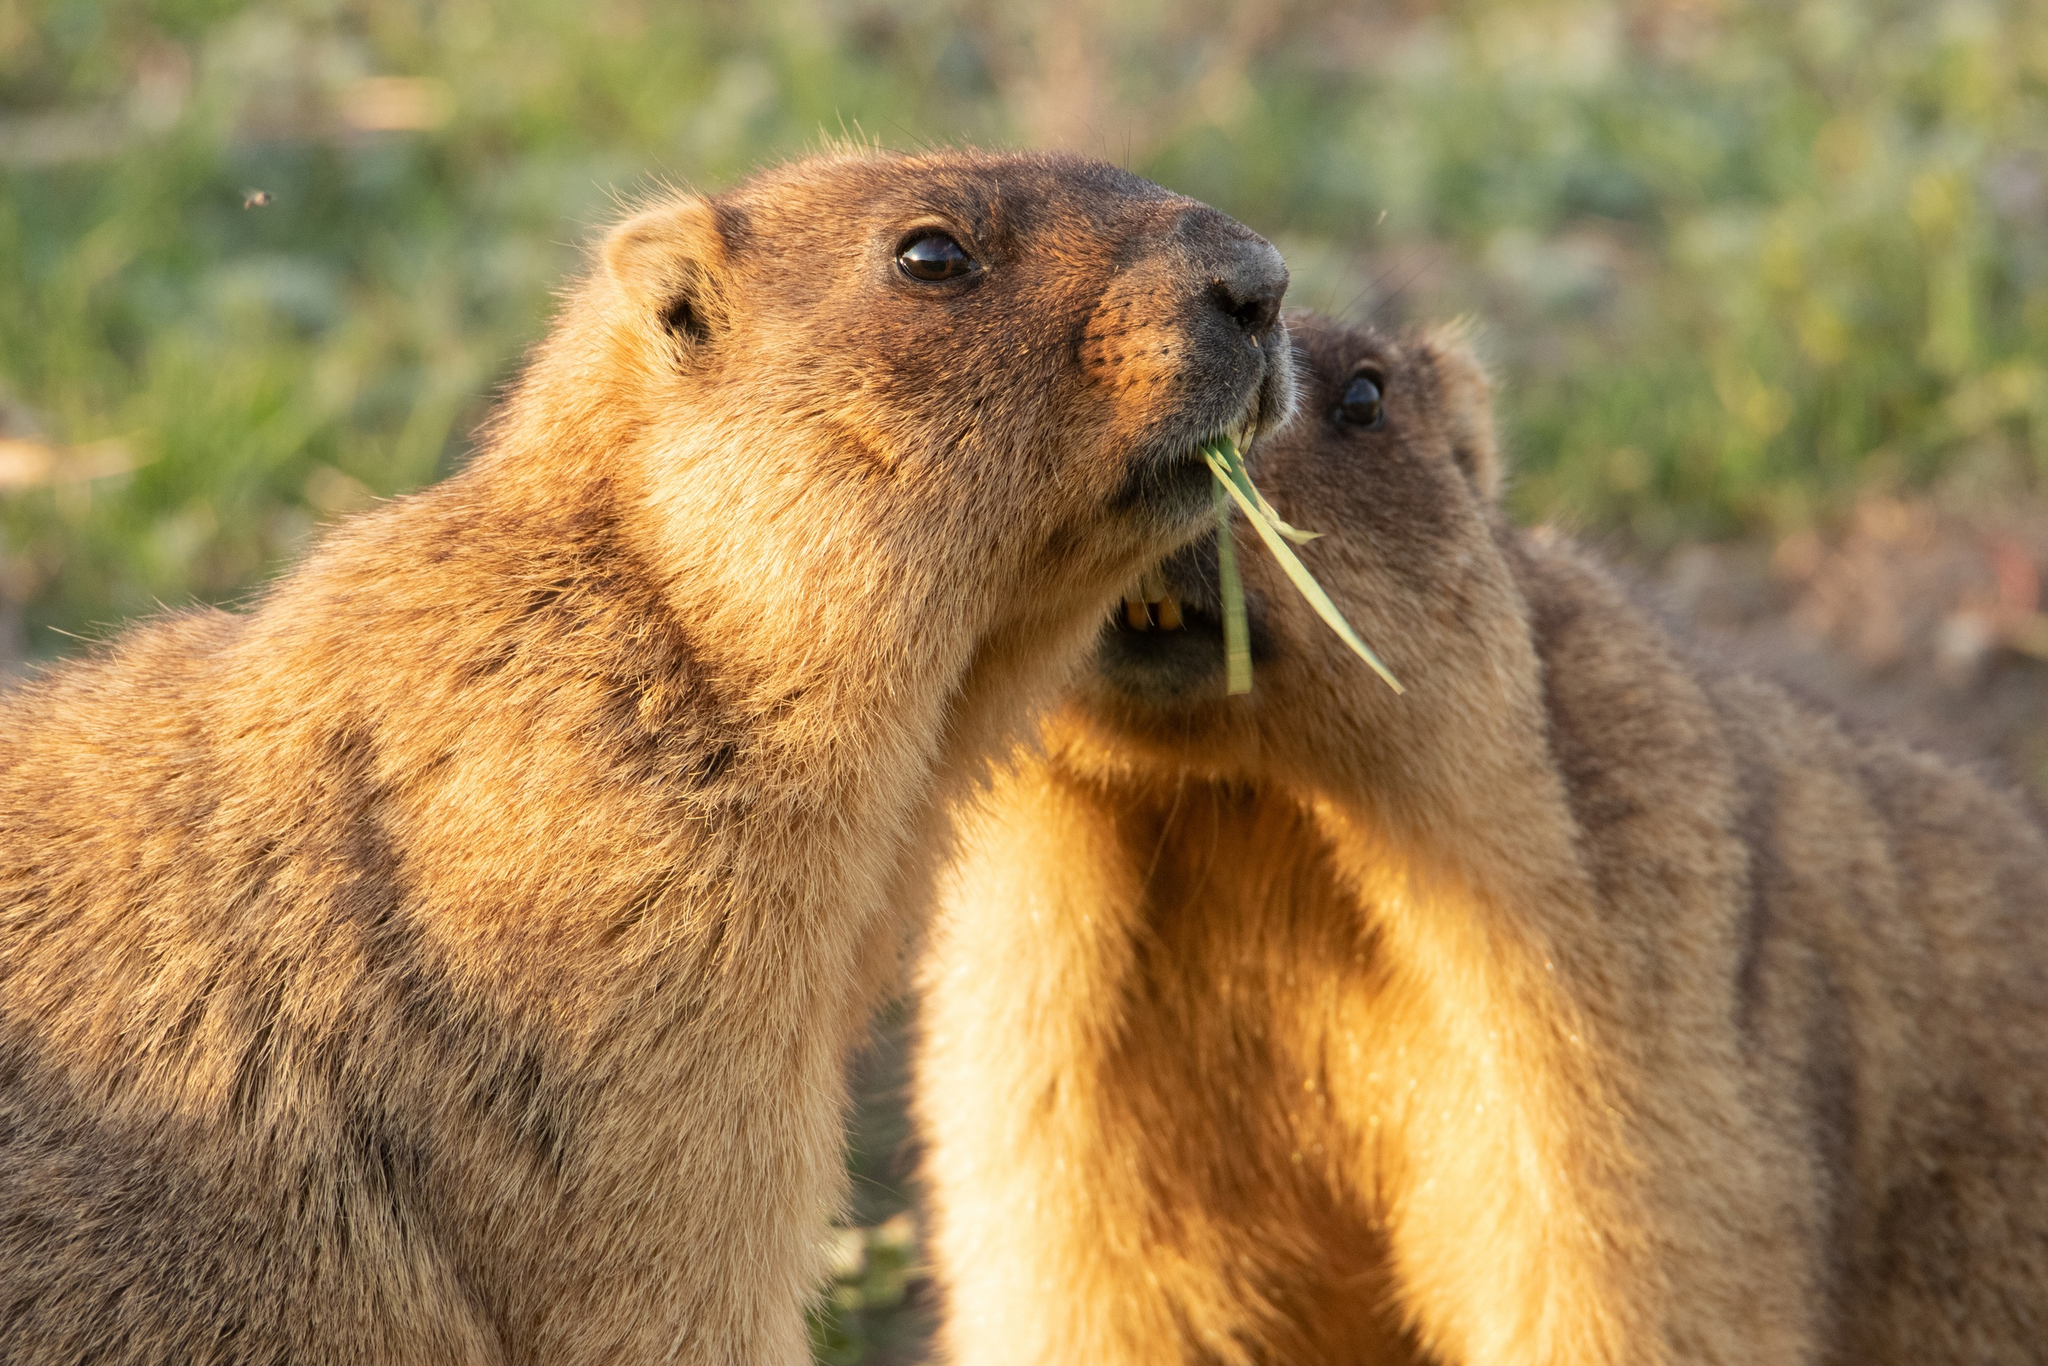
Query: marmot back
453, 958
1586, 1004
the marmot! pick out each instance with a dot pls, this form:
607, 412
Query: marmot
1587, 1004
452, 958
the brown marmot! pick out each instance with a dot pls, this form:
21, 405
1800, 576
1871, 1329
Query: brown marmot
452, 958
1587, 1004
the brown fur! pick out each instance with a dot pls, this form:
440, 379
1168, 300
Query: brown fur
1585, 1005
453, 958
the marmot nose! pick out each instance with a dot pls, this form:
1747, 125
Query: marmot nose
1250, 295
1247, 277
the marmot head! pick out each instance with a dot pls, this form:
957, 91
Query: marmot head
1393, 458
961, 386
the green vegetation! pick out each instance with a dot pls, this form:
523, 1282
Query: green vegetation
1234, 486
1734, 259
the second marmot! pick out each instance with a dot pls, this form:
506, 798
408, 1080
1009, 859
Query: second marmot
1587, 1004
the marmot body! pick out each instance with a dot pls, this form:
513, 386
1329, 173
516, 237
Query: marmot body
452, 958
1586, 1004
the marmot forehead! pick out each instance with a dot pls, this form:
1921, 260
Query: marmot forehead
1087, 217
984, 191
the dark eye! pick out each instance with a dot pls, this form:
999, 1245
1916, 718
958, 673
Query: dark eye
935, 256
1361, 405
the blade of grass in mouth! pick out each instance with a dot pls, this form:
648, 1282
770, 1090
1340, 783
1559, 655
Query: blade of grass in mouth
1236, 476
1237, 637
1234, 485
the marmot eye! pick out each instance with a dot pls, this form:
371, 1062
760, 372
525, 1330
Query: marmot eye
1361, 405
935, 256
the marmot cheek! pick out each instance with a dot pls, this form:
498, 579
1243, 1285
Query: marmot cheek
1279, 394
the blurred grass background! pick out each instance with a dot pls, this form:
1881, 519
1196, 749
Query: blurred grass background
1735, 261
1742, 265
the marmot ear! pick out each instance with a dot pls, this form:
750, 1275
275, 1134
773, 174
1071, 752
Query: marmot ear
1466, 395
670, 259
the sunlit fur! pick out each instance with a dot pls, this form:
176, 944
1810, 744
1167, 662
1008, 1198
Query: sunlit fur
452, 958
1588, 1004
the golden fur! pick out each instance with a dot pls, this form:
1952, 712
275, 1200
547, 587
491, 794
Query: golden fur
452, 958
1588, 1004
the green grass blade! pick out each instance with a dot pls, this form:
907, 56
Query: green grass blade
1226, 451
1304, 582
1237, 643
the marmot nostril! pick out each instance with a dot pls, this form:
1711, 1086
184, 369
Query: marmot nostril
1253, 305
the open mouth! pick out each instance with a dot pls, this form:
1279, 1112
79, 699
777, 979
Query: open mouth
1164, 640
1163, 643
1151, 604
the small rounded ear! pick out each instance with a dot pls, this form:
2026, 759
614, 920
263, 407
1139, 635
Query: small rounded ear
1466, 395
670, 260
